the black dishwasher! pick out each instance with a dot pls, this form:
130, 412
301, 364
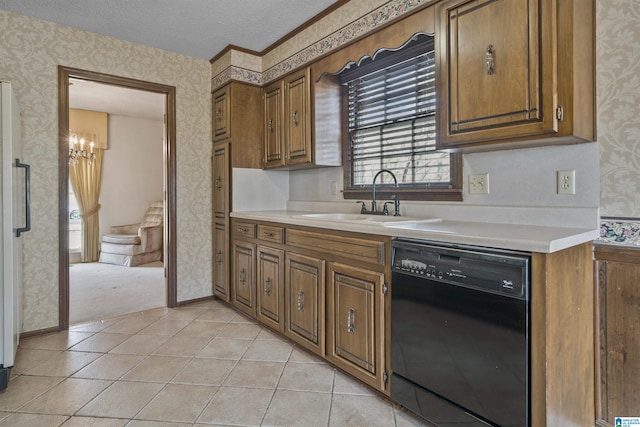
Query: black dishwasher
460, 333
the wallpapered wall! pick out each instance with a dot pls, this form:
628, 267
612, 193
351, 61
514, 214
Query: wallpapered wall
618, 94
618, 86
30, 51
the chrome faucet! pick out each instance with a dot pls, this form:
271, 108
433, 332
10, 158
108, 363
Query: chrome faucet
374, 205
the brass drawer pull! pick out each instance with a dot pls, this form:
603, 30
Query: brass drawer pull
219, 257
296, 121
351, 321
269, 234
267, 286
490, 60
218, 183
242, 279
243, 230
301, 301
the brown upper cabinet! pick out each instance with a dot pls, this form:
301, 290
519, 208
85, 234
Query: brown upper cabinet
509, 74
297, 118
273, 112
221, 108
237, 119
514, 73
289, 137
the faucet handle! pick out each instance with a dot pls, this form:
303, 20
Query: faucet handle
385, 209
396, 205
363, 209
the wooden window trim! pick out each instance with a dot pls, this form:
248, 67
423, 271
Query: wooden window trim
405, 192
384, 192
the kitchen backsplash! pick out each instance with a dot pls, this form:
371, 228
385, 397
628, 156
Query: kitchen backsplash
522, 188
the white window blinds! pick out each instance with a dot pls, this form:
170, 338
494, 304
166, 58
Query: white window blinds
391, 123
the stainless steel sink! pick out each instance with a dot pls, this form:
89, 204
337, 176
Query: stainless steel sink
334, 216
384, 220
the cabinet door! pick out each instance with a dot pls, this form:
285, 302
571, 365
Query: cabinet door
297, 89
243, 295
221, 260
221, 180
618, 351
304, 301
355, 322
273, 111
221, 107
492, 81
270, 276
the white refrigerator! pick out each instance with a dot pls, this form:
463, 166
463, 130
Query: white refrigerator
15, 216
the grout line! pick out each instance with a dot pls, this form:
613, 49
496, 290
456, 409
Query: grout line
170, 315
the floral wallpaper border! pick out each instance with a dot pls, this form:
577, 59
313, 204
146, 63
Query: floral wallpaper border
358, 28
620, 232
382, 15
238, 74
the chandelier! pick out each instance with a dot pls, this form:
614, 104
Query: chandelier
77, 148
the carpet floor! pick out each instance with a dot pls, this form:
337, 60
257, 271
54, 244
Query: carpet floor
101, 291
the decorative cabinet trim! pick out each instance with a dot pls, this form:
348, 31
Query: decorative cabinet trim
339, 38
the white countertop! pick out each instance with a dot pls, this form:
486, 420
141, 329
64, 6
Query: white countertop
506, 236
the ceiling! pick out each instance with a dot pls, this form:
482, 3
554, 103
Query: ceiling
121, 101
199, 28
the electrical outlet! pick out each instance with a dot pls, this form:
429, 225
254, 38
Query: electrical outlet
479, 184
567, 182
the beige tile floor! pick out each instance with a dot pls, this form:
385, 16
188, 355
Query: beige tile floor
202, 364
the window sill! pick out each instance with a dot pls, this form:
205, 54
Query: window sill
432, 194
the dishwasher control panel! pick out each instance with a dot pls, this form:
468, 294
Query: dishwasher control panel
501, 272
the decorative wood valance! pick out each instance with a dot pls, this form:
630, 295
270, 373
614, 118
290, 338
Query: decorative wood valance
390, 37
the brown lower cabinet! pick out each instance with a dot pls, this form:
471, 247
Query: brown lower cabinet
220, 262
618, 333
354, 327
325, 291
328, 292
269, 282
304, 301
244, 294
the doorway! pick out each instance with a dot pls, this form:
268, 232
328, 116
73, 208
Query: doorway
66, 74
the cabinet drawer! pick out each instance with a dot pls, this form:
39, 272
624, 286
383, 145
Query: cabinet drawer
344, 247
246, 229
271, 234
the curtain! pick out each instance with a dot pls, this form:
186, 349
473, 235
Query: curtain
85, 180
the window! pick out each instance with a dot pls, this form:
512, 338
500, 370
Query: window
390, 115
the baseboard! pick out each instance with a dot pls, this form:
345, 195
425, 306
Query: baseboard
196, 300
39, 332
